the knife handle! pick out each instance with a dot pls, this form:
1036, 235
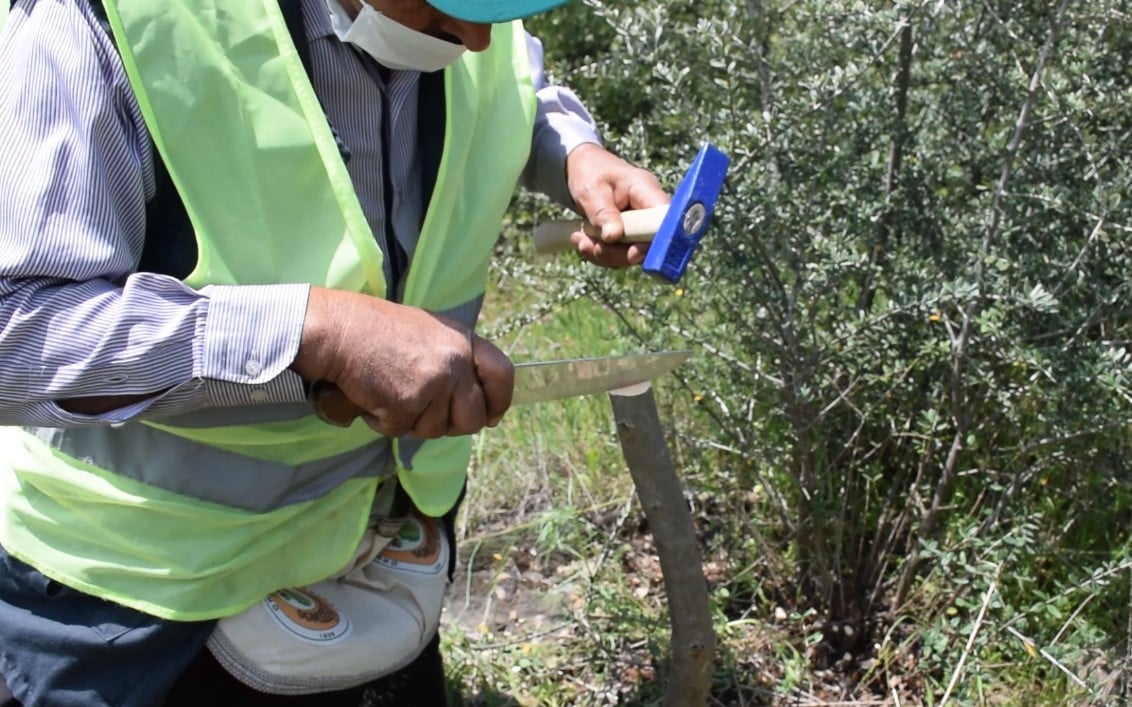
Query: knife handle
331, 405
640, 227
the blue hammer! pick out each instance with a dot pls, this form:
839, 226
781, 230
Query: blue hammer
674, 229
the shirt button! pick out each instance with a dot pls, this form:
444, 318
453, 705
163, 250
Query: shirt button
258, 395
253, 367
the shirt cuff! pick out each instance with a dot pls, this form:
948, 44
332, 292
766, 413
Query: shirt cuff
287, 387
250, 337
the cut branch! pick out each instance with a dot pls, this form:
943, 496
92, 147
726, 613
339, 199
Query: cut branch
662, 498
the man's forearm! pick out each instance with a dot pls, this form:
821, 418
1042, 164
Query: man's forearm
93, 353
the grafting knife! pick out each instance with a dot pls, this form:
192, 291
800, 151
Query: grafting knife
536, 382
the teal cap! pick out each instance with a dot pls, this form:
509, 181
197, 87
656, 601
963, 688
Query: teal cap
493, 10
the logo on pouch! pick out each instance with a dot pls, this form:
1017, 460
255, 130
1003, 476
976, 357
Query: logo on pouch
418, 547
307, 615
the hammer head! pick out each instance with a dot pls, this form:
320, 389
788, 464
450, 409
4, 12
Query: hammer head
688, 216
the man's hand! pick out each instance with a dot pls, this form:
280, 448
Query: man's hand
602, 186
411, 372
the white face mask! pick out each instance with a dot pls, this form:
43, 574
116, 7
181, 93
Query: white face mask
391, 43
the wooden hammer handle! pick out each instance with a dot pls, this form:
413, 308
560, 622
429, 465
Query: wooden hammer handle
640, 227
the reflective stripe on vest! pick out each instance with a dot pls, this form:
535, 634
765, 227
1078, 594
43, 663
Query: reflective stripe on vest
180, 541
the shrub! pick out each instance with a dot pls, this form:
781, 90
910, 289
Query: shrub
912, 311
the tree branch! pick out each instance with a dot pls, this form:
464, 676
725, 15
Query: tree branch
931, 520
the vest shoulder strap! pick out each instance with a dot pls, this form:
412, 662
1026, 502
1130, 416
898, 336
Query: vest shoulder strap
170, 245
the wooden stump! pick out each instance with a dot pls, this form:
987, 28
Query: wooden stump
662, 498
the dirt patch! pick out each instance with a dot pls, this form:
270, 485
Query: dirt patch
517, 593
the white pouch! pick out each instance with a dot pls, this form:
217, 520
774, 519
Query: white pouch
372, 619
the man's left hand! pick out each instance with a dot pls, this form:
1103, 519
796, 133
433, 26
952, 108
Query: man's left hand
602, 186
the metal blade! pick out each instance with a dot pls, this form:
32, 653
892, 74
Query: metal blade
554, 380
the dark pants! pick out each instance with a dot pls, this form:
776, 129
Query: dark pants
63, 648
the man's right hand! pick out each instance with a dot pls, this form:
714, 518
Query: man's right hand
411, 372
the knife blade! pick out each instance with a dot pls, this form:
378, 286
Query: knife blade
543, 381
535, 382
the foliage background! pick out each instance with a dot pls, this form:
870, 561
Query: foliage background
905, 432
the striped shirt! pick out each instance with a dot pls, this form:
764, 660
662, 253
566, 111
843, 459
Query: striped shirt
76, 170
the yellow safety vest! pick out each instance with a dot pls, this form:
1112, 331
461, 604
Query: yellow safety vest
192, 523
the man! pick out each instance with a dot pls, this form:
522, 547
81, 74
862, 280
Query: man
328, 181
